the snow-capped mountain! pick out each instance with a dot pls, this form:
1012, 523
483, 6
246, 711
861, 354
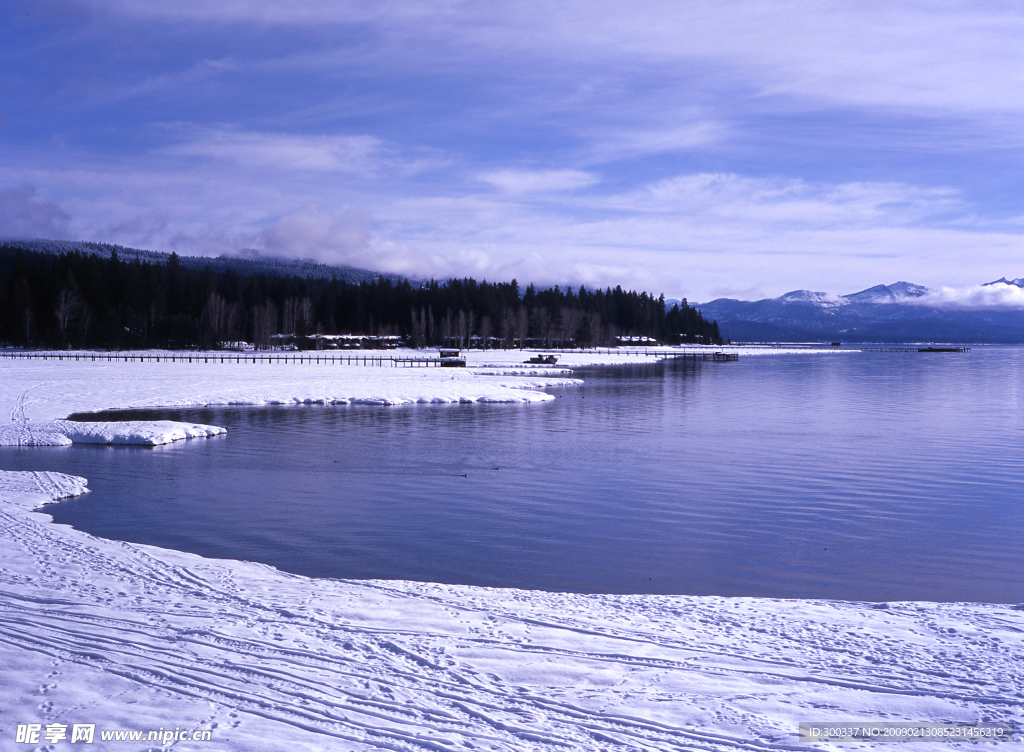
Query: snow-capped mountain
1019, 282
806, 296
899, 312
894, 293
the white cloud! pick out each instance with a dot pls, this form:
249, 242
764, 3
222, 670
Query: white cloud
314, 232
539, 181
954, 56
702, 235
676, 145
1000, 296
699, 236
296, 12
626, 141
23, 215
350, 154
775, 202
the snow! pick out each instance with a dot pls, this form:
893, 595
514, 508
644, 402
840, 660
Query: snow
64, 432
127, 636
40, 393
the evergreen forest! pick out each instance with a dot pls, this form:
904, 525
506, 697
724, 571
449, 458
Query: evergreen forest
75, 299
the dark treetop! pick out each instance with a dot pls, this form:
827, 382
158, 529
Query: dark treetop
109, 297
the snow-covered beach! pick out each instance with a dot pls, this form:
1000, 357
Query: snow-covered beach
38, 393
129, 637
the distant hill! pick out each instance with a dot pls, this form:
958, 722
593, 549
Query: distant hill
884, 313
245, 265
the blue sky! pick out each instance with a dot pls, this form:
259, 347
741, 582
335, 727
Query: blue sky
700, 149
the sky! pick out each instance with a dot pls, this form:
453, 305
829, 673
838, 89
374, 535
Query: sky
722, 148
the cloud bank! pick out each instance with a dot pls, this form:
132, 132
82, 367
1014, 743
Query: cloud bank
995, 296
701, 149
293, 153
23, 215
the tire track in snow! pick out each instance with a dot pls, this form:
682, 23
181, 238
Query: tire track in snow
21, 426
284, 680
57, 485
920, 674
121, 647
21, 432
18, 414
18, 411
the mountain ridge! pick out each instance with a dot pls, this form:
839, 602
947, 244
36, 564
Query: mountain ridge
248, 262
898, 312
1019, 282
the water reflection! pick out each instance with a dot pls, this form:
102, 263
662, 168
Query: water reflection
872, 477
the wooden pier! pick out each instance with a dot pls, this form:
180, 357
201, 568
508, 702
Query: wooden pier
349, 359
321, 358
380, 361
910, 349
666, 353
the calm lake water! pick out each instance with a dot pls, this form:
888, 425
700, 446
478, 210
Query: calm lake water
871, 476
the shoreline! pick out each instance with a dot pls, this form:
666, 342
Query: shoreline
493, 376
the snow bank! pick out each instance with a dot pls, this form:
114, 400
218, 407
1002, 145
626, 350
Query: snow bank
24, 433
148, 433
39, 393
64, 432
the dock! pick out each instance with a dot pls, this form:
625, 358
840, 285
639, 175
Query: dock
395, 361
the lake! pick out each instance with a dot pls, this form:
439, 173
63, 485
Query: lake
860, 476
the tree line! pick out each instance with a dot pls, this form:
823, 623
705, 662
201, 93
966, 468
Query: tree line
82, 300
